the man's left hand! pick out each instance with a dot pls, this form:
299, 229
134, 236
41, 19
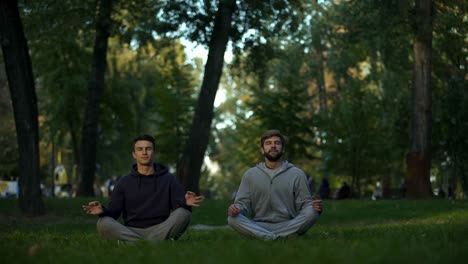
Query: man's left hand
317, 205
191, 199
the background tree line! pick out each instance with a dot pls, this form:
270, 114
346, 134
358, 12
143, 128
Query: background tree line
337, 77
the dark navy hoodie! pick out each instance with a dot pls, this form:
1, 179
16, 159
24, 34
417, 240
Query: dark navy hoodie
146, 200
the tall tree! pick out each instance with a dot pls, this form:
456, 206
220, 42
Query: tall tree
418, 159
317, 34
189, 166
23, 96
89, 137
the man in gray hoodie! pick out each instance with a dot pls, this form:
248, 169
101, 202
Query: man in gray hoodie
275, 195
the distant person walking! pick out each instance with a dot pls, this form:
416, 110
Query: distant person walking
150, 199
276, 194
343, 192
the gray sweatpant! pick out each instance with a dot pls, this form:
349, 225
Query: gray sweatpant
270, 231
172, 228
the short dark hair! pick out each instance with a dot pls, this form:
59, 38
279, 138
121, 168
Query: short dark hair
145, 138
271, 133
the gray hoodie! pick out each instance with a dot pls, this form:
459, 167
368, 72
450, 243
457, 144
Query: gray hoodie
273, 199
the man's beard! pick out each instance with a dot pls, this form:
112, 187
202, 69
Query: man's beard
273, 158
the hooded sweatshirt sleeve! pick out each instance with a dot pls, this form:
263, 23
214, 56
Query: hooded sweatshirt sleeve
243, 196
116, 203
302, 194
178, 195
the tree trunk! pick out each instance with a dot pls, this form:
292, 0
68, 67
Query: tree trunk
138, 105
52, 167
89, 137
355, 181
23, 95
386, 182
321, 83
75, 144
418, 160
464, 180
320, 57
138, 108
189, 166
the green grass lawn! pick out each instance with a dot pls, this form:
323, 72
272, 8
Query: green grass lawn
352, 231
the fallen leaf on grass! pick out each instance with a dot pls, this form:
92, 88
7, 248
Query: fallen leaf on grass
33, 250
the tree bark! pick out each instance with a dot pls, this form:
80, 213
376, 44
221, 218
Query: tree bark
95, 89
189, 166
52, 166
418, 159
75, 145
23, 95
464, 180
386, 182
321, 80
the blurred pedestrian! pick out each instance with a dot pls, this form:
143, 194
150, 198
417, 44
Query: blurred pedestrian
343, 192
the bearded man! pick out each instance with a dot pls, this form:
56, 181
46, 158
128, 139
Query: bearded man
273, 200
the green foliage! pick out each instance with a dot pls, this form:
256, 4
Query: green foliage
431, 231
60, 37
151, 91
8, 144
268, 95
150, 88
283, 50
195, 20
370, 54
351, 137
283, 101
367, 60
451, 99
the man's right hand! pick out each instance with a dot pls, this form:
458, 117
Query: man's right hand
93, 208
233, 210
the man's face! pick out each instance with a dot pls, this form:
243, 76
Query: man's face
143, 152
272, 148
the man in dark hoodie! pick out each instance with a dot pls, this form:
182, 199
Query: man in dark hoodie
150, 199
